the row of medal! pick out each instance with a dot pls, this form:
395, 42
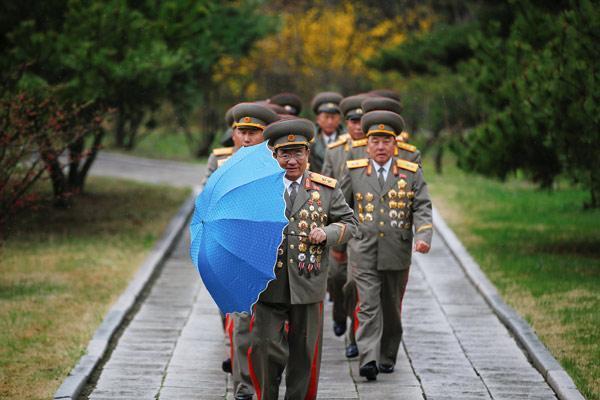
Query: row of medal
309, 255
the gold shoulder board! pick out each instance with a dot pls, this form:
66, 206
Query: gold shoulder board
359, 142
323, 180
221, 161
223, 151
407, 147
361, 163
337, 143
407, 165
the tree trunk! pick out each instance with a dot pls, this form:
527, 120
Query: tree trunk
81, 174
134, 125
594, 190
120, 129
438, 158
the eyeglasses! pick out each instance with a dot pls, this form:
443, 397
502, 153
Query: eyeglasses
298, 155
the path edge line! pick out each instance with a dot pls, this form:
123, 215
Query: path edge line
558, 379
74, 383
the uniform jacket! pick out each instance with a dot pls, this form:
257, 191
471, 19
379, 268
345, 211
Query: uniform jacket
216, 158
388, 216
301, 275
317, 151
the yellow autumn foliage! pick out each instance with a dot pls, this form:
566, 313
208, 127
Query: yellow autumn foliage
322, 48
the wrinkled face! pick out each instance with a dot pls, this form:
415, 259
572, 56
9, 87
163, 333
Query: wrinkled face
294, 160
328, 122
354, 129
247, 136
381, 148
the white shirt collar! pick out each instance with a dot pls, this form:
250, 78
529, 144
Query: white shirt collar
331, 138
288, 183
386, 167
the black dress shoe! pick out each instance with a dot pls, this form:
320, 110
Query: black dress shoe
351, 351
369, 371
386, 368
243, 397
226, 366
339, 328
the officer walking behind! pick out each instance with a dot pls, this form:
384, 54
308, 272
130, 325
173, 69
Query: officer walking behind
318, 216
326, 107
340, 285
389, 195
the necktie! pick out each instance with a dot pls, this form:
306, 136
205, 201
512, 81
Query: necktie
293, 192
380, 177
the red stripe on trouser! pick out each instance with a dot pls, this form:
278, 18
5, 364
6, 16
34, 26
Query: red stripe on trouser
314, 372
356, 311
253, 377
229, 329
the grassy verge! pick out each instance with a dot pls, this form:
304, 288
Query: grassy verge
542, 251
62, 269
162, 145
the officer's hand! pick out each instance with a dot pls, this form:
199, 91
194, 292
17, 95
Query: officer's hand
339, 256
421, 247
317, 235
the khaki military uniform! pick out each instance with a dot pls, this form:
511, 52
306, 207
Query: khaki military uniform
380, 259
215, 160
318, 148
341, 286
297, 293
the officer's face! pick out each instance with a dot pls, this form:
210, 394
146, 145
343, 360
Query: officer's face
247, 136
354, 129
328, 122
293, 160
381, 148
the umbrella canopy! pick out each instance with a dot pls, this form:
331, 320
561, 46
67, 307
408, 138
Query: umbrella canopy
237, 228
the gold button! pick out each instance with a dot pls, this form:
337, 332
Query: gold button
381, 210
381, 234
381, 199
291, 246
279, 264
292, 232
292, 219
381, 223
291, 260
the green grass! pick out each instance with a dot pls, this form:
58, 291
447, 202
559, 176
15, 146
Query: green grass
61, 271
161, 144
542, 250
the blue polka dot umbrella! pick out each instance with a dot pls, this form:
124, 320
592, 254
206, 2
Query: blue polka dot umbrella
237, 228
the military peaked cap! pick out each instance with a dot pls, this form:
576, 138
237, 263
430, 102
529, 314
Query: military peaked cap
381, 103
289, 132
290, 101
351, 106
389, 93
382, 123
326, 102
252, 115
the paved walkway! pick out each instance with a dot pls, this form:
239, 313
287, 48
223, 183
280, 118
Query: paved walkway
454, 345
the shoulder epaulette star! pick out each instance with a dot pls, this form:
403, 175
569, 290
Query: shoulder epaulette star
323, 180
337, 143
223, 151
407, 147
407, 165
359, 142
360, 163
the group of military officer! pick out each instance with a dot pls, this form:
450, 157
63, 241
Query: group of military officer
356, 200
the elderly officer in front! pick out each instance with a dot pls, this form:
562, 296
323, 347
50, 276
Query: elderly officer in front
318, 217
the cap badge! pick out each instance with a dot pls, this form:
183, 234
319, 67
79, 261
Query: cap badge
291, 138
381, 126
330, 105
247, 119
359, 111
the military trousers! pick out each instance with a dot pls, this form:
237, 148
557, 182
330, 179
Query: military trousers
350, 304
298, 351
380, 295
240, 343
335, 286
